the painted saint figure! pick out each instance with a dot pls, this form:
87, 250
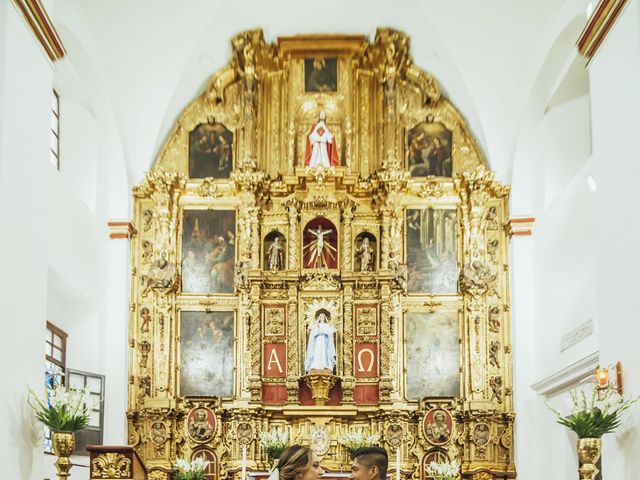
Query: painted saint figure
321, 349
321, 146
318, 250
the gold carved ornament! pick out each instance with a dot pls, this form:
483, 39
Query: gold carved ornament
111, 465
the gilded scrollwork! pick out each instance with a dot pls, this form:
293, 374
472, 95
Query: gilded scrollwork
111, 465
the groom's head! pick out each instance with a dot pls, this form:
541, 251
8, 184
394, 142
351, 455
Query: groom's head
369, 463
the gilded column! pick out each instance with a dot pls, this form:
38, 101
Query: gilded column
293, 365
347, 328
347, 221
293, 209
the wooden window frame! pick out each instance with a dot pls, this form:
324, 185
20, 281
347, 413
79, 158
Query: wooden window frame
63, 348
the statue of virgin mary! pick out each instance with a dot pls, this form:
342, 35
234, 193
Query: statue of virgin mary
321, 349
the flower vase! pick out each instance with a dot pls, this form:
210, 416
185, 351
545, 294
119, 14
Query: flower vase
63, 444
589, 452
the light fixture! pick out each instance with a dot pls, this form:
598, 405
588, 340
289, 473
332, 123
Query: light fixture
591, 181
609, 377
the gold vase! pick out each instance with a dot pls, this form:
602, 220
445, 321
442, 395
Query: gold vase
589, 452
63, 443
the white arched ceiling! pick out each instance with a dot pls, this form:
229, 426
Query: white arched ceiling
560, 75
157, 56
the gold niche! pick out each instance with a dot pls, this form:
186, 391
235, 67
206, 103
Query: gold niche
321, 247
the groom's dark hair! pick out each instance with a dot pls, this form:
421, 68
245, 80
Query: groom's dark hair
373, 457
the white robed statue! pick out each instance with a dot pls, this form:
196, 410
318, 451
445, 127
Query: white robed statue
321, 349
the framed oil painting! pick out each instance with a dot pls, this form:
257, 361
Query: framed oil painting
432, 258
320, 74
429, 150
210, 151
432, 354
206, 354
208, 251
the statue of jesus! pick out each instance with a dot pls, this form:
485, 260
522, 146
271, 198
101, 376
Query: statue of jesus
321, 146
321, 349
318, 248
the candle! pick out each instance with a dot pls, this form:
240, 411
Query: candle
398, 463
244, 462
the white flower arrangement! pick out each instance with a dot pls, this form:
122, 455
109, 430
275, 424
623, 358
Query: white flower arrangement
444, 470
63, 410
274, 442
193, 470
356, 438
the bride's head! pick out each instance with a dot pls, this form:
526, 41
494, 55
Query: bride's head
299, 463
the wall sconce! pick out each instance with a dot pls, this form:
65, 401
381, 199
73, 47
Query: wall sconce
609, 377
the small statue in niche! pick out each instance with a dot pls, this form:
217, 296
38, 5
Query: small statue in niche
494, 348
321, 348
274, 256
365, 254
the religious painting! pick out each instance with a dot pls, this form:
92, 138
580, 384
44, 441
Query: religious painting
364, 253
429, 150
206, 354
201, 424
244, 433
208, 251
158, 434
481, 434
432, 354
208, 455
275, 251
438, 426
394, 435
320, 244
210, 151
432, 253
320, 74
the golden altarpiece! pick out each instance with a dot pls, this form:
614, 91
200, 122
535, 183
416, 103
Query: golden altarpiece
321, 248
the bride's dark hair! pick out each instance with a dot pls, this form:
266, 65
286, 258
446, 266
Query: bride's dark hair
293, 461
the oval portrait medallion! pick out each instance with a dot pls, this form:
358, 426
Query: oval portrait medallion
437, 426
394, 435
201, 424
244, 433
481, 434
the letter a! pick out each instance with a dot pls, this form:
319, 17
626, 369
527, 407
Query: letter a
273, 358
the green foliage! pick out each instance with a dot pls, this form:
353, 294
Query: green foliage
64, 410
595, 414
189, 476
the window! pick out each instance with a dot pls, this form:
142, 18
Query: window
54, 366
54, 141
92, 433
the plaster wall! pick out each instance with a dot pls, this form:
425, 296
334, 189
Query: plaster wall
58, 262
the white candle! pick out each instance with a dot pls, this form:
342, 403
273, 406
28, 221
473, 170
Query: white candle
244, 462
398, 463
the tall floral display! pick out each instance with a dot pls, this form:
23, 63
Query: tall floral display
64, 412
594, 412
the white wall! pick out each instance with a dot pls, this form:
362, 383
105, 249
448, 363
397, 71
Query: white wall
58, 262
580, 262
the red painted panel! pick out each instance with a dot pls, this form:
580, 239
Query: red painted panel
275, 360
366, 394
365, 360
274, 394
